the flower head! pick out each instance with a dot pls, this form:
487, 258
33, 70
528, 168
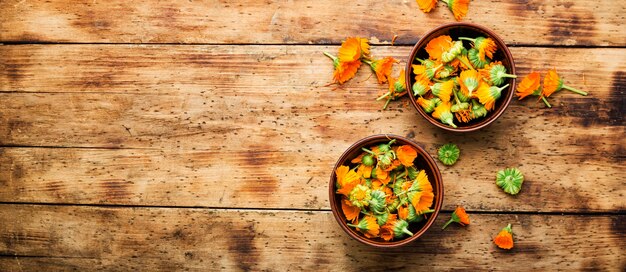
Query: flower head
529, 85
455, 50
551, 83
458, 7
426, 5
504, 239
352, 49
421, 85
475, 58
421, 193
346, 179
437, 46
360, 196
382, 68
400, 228
443, 90
443, 113
495, 73
459, 216
488, 95
448, 154
406, 154
469, 81
368, 226
510, 180
428, 104
345, 71
350, 211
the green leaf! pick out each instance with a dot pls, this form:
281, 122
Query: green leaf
510, 180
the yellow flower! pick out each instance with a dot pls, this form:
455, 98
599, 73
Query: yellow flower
426, 5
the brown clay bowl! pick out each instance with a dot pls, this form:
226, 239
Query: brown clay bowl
423, 161
456, 30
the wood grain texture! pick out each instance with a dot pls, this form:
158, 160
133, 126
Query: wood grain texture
208, 125
562, 22
85, 238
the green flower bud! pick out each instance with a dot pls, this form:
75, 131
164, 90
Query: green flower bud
367, 160
478, 110
377, 202
498, 74
510, 180
449, 154
400, 228
474, 58
455, 50
382, 218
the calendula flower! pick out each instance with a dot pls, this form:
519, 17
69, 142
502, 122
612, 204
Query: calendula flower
552, 83
462, 61
403, 212
460, 105
437, 46
428, 68
381, 219
451, 54
377, 202
448, 154
445, 71
474, 57
350, 211
477, 110
386, 230
368, 226
346, 180
510, 180
443, 113
459, 216
495, 73
421, 85
364, 171
415, 217
421, 193
488, 95
443, 90
400, 228
426, 5
428, 104
344, 71
529, 86
469, 81
351, 49
458, 7
485, 46
397, 88
464, 115
406, 154
382, 68
360, 196
504, 239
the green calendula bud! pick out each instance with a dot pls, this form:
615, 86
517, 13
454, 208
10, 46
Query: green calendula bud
426, 62
401, 228
459, 107
474, 58
382, 218
446, 71
367, 160
386, 147
455, 50
448, 154
393, 206
510, 180
412, 172
377, 202
478, 110
360, 196
386, 159
498, 74
373, 173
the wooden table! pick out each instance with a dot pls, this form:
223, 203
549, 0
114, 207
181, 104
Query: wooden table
197, 135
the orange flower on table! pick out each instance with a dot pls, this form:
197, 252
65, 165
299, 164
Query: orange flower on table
458, 7
437, 46
352, 49
346, 180
350, 211
551, 83
406, 155
504, 239
349, 59
345, 71
459, 216
529, 85
382, 68
426, 5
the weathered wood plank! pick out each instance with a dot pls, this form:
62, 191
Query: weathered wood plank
214, 114
148, 238
572, 22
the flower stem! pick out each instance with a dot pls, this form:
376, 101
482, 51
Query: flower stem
330, 56
465, 63
546, 101
383, 96
444, 226
503, 87
407, 232
508, 75
386, 103
354, 226
369, 151
466, 38
574, 90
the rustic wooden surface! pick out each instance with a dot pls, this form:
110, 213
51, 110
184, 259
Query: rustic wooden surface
200, 135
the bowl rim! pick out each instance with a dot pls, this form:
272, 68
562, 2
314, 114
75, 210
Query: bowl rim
486, 121
436, 179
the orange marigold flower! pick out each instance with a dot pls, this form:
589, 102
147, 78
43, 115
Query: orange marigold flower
345, 71
364, 171
464, 115
382, 68
504, 239
458, 7
529, 85
459, 216
368, 226
438, 46
422, 193
469, 81
406, 155
443, 113
487, 95
426, 5
350, 50
346, 180
350, 211
551, 83
403, 212
386, 230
